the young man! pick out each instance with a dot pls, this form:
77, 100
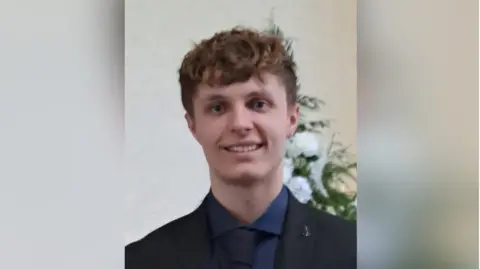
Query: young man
239, 90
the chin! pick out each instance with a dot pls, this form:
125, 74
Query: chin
243, 178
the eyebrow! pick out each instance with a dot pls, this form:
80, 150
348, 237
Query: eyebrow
261, 92
214, 97
254, 93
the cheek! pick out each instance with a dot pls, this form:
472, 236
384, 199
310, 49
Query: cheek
208, 132
275, 132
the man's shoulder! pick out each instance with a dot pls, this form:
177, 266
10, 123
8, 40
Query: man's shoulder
335, 237
164, 235
332, 222
337, 229
157, 248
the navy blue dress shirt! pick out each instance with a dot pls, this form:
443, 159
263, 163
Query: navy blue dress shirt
270, 224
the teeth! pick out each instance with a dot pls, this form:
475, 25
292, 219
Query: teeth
243, 148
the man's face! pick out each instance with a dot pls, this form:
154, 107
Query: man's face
242, 128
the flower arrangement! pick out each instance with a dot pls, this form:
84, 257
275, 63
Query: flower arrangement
318, 169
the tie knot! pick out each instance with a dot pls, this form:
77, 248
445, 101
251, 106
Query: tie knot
240, 245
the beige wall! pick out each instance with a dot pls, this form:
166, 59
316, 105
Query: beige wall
166, 171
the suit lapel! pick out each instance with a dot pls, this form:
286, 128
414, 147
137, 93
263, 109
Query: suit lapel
196, 243
297, 244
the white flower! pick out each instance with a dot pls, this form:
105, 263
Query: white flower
303, 143
300, 188
316, 174
287, 169
331, 210
338, 185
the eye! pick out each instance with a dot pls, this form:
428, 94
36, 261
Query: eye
216, 108
258, 104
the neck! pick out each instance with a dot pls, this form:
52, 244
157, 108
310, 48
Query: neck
247, 203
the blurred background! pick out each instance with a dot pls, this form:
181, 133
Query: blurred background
418, 134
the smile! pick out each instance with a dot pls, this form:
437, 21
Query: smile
243, 148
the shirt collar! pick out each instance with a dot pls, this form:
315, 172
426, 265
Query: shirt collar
271, 221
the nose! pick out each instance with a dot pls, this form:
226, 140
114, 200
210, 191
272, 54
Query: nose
240, 120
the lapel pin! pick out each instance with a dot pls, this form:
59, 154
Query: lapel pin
306, 231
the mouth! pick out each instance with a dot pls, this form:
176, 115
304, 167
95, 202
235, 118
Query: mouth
245, 148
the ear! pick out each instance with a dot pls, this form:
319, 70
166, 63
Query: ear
293, 117
191, 124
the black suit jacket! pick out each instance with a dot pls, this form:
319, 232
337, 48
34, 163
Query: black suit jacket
311, 240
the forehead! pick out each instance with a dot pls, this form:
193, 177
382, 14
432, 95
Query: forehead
269, 85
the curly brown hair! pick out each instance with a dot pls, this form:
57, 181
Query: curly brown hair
233, 56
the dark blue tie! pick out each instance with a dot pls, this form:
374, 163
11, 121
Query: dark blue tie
240, 245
